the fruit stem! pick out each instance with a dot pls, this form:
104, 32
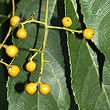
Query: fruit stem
44, 43
22, 26
1, 46
46, 18
3, 16
8, 33
46, 61
7, 65
31, 17
35, 53
52, 27
4, 46
36, 84
29, 21
6, 17
67, 29
13, 7
32, 21
35, 50
39, 80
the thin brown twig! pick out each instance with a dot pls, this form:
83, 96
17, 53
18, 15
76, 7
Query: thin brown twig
13, 7
8, 33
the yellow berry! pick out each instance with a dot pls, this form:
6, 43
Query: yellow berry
67, 22
31, 88
11, 50
13, 70
44, 88
15, 20
88, 33
31, 66
21, 33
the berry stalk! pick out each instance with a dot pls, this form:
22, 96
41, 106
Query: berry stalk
44, 43
7, 65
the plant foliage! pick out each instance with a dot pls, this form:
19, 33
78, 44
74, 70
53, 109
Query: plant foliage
85, 75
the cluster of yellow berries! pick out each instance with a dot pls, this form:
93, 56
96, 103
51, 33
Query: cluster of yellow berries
15, 21
88, 33
12, 50
31, 66
31, 88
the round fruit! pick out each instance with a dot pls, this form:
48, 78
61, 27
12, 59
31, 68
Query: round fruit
13, 70
88, 33
31, 66
11, 50
31, 88
21, 33
44, 88
15, 20
67, 22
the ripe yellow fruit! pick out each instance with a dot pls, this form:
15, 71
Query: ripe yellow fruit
44, 88
15, 20
13, 70
21, 33
31, 66
67, 22
31, 88
88, 33
11, 50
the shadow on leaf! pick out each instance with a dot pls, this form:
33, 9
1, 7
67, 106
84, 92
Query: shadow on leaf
100, 59
20, 86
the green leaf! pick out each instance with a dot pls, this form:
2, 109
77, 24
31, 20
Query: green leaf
53, 73
96, 16
87, 61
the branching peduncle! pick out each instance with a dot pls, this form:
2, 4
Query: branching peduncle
42, 48
64, 28
35, 53
44, 43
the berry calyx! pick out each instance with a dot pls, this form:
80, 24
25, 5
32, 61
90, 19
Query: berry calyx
67, 22
88, 33
31, 66
11, 50
13, 70
21, 33
15, 20
44, 88
31, 88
